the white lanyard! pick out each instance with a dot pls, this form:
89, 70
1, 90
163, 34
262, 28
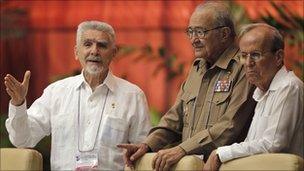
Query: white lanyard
78, 121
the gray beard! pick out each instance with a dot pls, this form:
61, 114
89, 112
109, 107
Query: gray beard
93, 70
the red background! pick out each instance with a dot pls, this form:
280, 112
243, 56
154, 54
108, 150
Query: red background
40, 36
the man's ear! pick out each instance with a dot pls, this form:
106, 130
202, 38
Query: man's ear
76, 52
115, 50
279, 57
225, 33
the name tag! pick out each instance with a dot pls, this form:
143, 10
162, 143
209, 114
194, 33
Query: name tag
86, 161
222, 86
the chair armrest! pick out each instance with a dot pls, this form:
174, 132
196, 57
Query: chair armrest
189, 162
20, 159
269, 161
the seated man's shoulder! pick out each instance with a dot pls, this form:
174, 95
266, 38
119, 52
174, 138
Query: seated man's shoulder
65, 83
294, 81
126, 86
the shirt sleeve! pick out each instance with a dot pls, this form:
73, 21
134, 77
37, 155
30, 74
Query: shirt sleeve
26, 127
286, 112
169, 130
229, 126
141, 121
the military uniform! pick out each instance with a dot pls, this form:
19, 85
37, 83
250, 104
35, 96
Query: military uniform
212, 108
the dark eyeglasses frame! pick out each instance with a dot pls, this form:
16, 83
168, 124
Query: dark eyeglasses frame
190, 35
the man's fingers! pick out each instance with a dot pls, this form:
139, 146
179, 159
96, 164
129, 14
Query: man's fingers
133, 150
154, 161
11, 82
9, 85
140, 152
26, 78
13, 79
128, 148
167, 166
162, 164
127, 160
10, 93
125, 146
157, 163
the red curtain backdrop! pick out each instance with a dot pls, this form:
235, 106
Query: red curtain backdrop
40, 36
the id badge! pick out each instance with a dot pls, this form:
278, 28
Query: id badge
86, 161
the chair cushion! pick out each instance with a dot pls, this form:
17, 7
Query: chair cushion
190, 162
20, 159
273, 161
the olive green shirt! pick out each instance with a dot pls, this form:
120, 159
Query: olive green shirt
213, 107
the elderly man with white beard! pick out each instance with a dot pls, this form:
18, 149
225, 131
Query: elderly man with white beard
87, 114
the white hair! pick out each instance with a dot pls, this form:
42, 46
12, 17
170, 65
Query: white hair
221, 13
94, 25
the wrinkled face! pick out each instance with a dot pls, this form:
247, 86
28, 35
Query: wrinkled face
262, 64
205, 46
95, 52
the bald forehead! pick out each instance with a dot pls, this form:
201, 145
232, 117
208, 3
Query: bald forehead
202, 18
259, 36
260, 33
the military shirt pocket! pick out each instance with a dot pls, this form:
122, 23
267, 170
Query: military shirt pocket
219, 105
188, 107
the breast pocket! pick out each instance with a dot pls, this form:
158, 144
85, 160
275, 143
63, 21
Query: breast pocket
114, 131
188, 107
219, 105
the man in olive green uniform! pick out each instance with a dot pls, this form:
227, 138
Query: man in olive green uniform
214, 103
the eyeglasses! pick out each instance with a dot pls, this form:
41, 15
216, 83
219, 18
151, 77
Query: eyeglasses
199, 31
254, 56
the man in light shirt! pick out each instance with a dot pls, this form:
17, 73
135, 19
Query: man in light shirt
88, 114
277, 124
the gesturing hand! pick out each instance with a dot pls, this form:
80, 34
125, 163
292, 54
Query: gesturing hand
133, 152
16, 90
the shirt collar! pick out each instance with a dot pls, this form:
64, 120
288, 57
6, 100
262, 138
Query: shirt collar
225, 58
199, 63
276, 82
223, 61
109, 81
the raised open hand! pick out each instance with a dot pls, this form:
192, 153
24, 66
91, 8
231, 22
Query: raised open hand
17, 90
